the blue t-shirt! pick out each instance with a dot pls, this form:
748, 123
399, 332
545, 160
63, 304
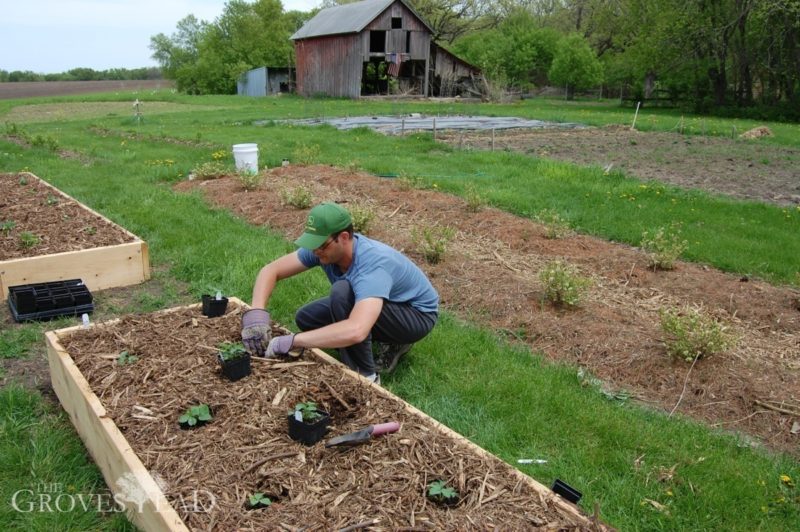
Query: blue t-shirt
380, 271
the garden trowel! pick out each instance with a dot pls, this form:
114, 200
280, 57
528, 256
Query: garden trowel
363, 435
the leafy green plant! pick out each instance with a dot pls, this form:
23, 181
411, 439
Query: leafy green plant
209, 170
663, 246
22, 180
306, 154
690, 333
231, 351
439, 489
309, 411
249, 180
52, 199
7, 226
126, 358
431, 242
563, 284
362, 215
475, 200
299, 197
196, 413
407, 182
259, 500
28, 239
554, 225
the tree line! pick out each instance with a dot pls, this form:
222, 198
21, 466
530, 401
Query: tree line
83, 74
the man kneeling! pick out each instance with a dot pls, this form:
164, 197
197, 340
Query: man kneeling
377, 294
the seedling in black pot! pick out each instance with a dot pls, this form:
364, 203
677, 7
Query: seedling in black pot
214, 306
234, 359
307, 423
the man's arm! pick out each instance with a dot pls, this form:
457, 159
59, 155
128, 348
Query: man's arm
267, 278
347, 332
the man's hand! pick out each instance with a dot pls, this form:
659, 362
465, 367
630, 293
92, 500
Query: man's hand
256, 331
280, 345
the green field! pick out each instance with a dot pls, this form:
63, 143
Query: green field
503, 397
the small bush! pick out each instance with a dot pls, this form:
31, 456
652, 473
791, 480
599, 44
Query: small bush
298, 197
362, 215
408, 182
28, 240
554, 225
249, 180
689, 333
475, 200
663, 246
7, 226
563, 284
432, 242
304, 154
210, 170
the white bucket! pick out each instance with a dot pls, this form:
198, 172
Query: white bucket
246, 157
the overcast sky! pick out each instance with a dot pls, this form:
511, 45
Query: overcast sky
52, 36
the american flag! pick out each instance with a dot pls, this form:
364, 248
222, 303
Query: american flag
394, 65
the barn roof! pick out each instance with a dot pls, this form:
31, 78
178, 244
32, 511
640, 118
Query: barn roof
347, 18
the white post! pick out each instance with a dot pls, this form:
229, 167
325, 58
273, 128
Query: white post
633, 126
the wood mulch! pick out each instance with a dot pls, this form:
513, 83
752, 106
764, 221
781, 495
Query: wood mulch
59, 223
379, 485
490, 276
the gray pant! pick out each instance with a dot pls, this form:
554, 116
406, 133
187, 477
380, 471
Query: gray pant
398, 323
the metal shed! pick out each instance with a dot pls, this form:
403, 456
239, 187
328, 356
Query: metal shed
263, 81
361, 48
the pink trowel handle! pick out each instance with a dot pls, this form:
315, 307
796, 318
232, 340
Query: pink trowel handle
385, 428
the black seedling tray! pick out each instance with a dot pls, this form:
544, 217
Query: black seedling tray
41, 301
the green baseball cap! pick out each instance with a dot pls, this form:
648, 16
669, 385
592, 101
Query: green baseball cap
323, 220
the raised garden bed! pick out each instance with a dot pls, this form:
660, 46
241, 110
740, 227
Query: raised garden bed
46, 235
127, 415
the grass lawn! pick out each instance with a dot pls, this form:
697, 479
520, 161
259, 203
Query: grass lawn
647, 472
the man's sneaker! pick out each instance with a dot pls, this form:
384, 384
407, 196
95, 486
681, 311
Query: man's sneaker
388, 355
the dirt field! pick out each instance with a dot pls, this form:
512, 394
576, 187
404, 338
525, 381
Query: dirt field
490, 277
31, 89
746, 169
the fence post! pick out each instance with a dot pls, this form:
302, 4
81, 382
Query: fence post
434, 128
492, 139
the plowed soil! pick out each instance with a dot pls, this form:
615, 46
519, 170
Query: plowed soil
745, 169
490, 276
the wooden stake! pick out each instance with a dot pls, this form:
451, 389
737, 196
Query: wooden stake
492, 139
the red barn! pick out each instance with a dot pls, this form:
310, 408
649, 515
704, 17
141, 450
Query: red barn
371, 46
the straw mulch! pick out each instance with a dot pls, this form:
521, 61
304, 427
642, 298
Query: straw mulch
379, 485
58, 222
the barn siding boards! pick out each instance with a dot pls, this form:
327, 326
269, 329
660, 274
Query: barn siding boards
99, 267
329, 65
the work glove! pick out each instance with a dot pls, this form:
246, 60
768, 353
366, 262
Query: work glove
280, 345
256, 331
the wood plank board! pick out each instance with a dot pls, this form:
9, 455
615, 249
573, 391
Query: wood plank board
99, 267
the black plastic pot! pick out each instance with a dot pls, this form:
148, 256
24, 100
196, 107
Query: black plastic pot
213, 307
566, 491
235, 368
308, 433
